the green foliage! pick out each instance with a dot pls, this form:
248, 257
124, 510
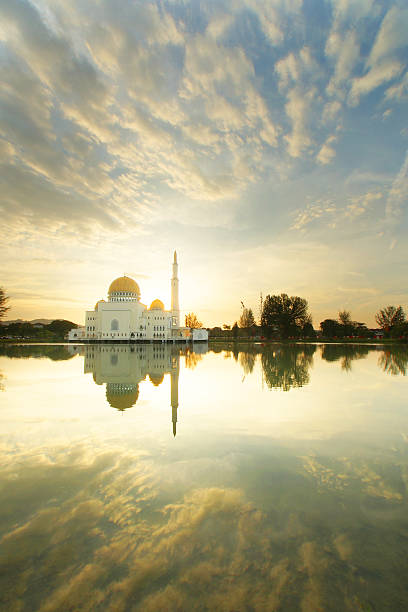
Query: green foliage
331, 328
308, 330
54, 331
4, 299
287, 314
60, 326
343, 327
400, 330
345, 317
389, 317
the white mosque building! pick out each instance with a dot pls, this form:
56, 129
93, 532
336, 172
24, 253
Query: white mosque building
123, 317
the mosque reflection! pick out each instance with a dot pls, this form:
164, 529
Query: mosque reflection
122, 368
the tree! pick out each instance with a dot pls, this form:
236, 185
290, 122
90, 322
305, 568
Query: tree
235, 330
3, 303
331, 328
390, 316
289, 314
192, 322
247, 318
345, 317
60, 327
226, 326
308, 330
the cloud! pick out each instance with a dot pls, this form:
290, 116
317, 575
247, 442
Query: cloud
399, 91
376, 76
391, 36
345, 51
327, 153
397, 200
313, 212
298, 109
333, 215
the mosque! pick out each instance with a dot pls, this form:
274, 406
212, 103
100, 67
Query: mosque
123, 317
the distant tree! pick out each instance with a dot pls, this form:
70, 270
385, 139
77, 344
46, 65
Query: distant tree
247, 318
347, 325
308, 330
215, 331
192, 321
400, 330
360, 329
235, 330
3, 303
60, 327
288, 314
225, 326
389, 317
345, 317
331, 328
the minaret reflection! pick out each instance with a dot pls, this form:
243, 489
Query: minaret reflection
122, 368
174, 377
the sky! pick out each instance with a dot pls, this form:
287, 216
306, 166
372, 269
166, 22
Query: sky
265, 140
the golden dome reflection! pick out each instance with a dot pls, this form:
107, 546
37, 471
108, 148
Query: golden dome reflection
156, 305
124, 284
156, 379
123, 396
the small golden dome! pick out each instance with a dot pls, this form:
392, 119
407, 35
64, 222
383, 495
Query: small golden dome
98, 302
156, 305
124, 284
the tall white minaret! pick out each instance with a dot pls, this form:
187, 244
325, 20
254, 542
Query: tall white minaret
175, 308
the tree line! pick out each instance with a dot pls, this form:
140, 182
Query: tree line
284, 316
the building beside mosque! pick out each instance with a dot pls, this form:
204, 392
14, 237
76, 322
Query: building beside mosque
124, 318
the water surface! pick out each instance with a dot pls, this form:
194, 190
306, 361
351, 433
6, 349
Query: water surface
158, 478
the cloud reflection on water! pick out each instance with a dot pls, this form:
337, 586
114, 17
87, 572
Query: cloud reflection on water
97, 532
234, 521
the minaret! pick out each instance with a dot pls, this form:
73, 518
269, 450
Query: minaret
175, 308
174, 377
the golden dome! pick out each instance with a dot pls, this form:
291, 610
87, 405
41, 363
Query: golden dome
98, 302
124, 400
124, 284
156, 304
156, 379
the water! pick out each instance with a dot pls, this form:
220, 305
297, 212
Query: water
155, 478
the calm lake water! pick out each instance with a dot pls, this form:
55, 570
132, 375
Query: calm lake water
284, 488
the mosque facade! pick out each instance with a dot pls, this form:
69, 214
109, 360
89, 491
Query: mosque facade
124, 318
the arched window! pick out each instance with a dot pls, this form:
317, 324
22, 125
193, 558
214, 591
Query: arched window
114, 325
